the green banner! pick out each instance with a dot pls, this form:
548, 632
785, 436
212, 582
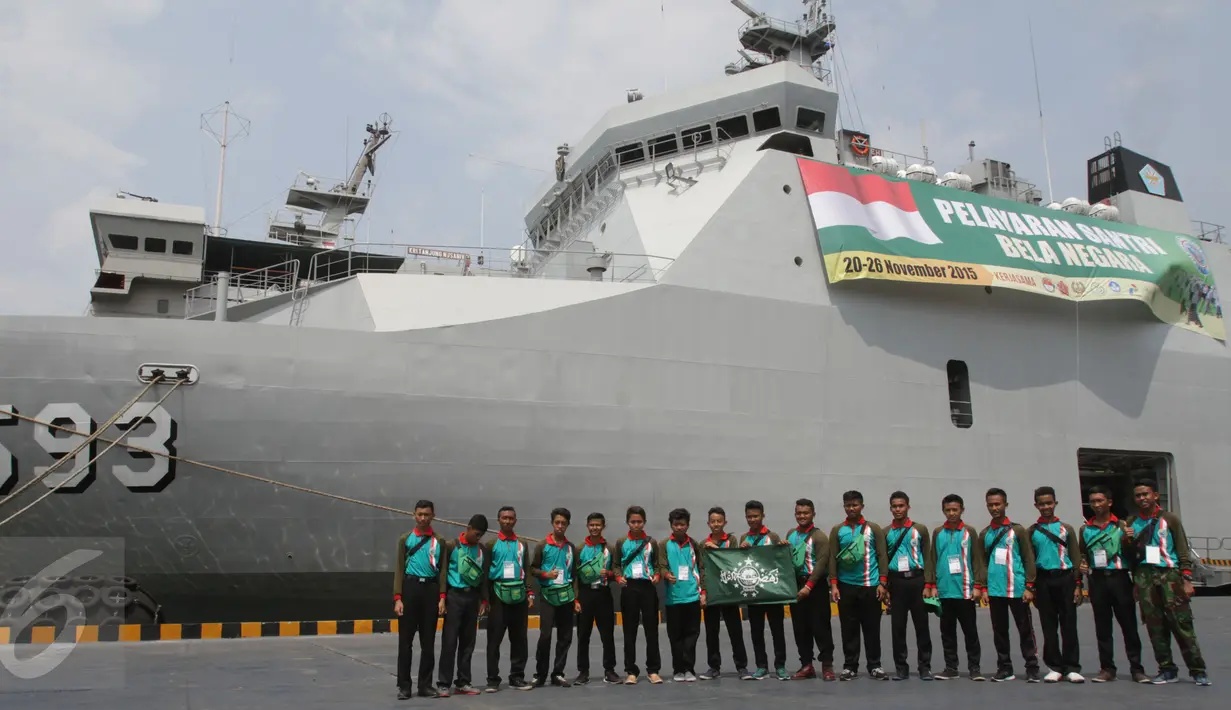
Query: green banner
871, 226
764, 574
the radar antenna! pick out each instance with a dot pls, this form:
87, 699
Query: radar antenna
806, 41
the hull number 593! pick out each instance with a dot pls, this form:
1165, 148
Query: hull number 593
158, 434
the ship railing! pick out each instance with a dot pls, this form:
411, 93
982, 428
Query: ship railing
1208, 231
354, 259
243, 286
793, 27
589, 191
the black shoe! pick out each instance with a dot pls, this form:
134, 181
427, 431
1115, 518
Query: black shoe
492, 688
429, 691
1033, 677
612, 678
948, 674
1003, 676
583, 678
404, 693
443, 691
878, 673
560, 682
539, 682
520, 684
901, 675
925, 674
848, 674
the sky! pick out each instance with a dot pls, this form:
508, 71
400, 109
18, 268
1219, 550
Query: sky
104, 95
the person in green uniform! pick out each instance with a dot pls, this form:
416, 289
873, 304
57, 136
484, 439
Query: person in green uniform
957, 578
810, 614
1111, 587
679, 564
463, 592
594, 575
554, 565
758, 534
906, 544
1162, 583
1057, 593
416, 599
511, 601
1008, 558
726, 614
857, 579
637, 578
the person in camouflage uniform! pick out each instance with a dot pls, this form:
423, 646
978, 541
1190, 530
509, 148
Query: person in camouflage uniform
1162, 584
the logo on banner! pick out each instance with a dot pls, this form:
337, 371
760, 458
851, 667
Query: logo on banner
750, 577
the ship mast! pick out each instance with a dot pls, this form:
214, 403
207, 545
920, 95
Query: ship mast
223, 137
806, 41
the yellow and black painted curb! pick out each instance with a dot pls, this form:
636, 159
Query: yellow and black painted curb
129, 633
1216, 563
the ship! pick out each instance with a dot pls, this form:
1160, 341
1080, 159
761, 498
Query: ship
721, 295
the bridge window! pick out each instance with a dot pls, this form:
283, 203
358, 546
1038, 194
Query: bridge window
734, 127
807, 119
630, 154
663, 146
156, 244
124, 241
961, 411
766, 119
181, 248
697, 137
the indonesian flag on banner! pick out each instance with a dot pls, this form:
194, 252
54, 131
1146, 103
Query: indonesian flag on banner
841, 198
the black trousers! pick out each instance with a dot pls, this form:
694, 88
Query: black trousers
906, 598
715, 618
1111, 595
810, 622
953, 612
597, 609
1053, 596
561, 620
757, 614
419, 616
1022, 618
639, 605
513, 619
683, 629
460, 627
859, 611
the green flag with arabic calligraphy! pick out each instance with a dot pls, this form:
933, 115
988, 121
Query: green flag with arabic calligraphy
764, 574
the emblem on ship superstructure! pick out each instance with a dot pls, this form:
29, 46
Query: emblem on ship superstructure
1155, 184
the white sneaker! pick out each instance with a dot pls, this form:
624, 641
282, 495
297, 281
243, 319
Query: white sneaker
689, 677
1052, 677
678, 678
1075, 677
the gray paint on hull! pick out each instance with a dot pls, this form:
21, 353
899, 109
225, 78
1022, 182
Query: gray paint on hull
672, 395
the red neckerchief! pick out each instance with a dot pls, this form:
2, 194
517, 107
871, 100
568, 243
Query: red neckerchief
1110, 521
811, 527
719, 541
857, 524
636, 535
601, 542
462, 540
1048, 521
507, 538
1005, 524
551, 540
905, 524
687, 541
429, 533
951, 526
763, 531
1157, 509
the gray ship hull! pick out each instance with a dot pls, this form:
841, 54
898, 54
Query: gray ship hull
733, 379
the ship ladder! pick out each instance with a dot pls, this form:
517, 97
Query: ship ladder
240, 474
96, 436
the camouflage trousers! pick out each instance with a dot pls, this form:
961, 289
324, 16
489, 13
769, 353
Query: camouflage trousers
1166, 612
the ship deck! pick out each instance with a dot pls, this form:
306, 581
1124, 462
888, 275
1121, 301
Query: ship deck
358, 671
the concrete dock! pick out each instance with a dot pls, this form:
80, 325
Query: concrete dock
301, 673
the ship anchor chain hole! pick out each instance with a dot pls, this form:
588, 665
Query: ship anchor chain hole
799, 261
786, 189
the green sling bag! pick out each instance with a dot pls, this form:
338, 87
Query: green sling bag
591, 570
469, 569
559, 594
510, 592
854, 552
